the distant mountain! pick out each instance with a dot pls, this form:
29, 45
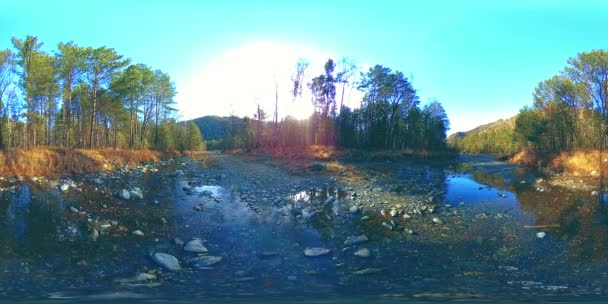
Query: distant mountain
212, 127
499, 124
497, 138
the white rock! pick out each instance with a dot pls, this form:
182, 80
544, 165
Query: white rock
204, 261
124, 194
138, 233
363, 252
166, 261
195, 246
541, 234
316, 251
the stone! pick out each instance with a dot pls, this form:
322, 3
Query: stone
316, 251
383, 213
387, 225
367, 271
353, 209
363, 253
138, 277
330, 200
195, 246
135, 194
94, 235
354, 240
166, 261
394, 213
438, 221
541, 234
124, 194
64, 187
406, 216
138, 233
73, 209
203, 261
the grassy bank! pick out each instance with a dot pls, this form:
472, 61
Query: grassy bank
53, 162
579, 163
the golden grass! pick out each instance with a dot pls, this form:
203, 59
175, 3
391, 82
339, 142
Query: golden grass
580, 162
53, 162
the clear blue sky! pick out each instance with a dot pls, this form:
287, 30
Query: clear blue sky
481, 59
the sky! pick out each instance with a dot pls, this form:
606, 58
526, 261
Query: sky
480, 59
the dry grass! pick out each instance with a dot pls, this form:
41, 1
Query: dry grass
579, 163
53, 162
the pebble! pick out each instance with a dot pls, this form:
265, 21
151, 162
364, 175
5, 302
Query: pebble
203, 261
195, 246
437, 220
393, 213
353, 209
363, 253
138, 233
73, 209
387, 225
124, 194
166, 261
541, 234
138, 277
367, 271
316, 251
354, 240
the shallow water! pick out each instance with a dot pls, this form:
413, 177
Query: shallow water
487, 247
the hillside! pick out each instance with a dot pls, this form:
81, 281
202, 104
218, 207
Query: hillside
499, 124
212, 127
494, 137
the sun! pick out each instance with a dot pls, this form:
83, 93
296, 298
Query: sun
235, 80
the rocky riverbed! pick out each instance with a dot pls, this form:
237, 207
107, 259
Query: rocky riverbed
245, 227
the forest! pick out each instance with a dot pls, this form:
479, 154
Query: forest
84, 97
569, 113
390, 116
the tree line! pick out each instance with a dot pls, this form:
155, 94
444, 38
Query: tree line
570, 110
389, 116
85, 97
569, 113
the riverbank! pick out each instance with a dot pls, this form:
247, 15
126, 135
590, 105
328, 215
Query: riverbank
243, 226
54, 162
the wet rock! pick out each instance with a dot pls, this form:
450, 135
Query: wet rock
541, 234
367, 271
394, 213
438, 221
365, 218
406, 216
353, 209
330, 200
94, 235
317, 166
138, 277
354, 240
176, 173
195, 246
363, 253
316, 251
166, 261
383, 213
73, 209
136, 194
138, 233
124, 194
594, 193
387, 225
64, 187
203, 261
178, 241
